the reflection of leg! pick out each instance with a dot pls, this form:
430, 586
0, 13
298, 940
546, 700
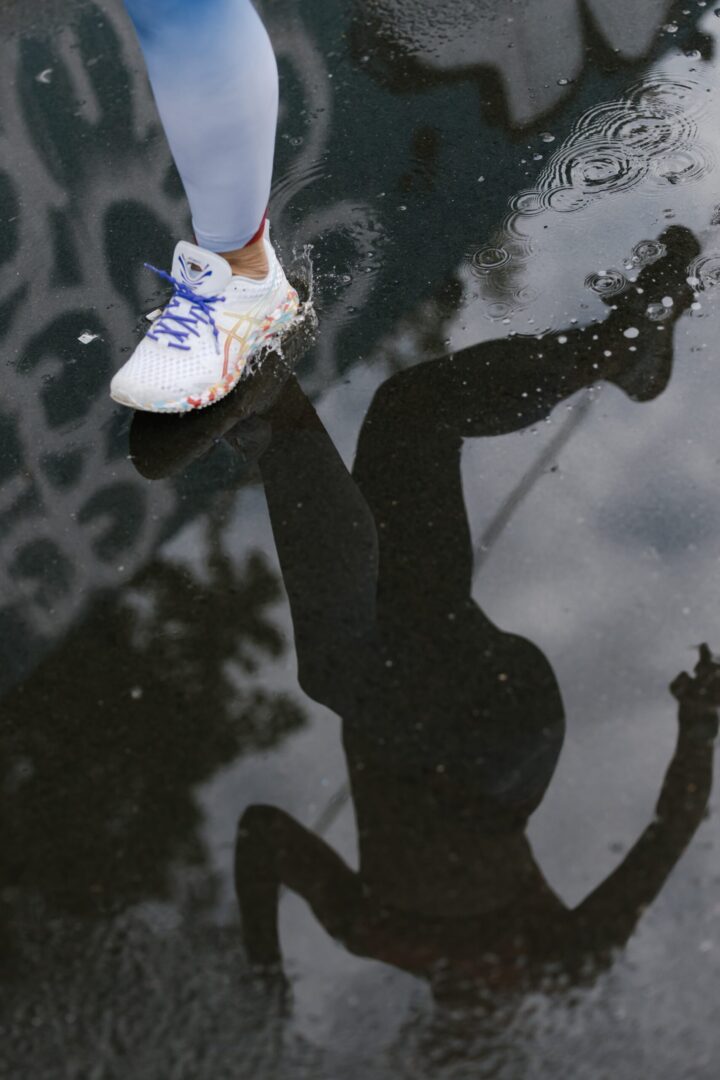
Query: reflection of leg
214, 77
418, 418
274, 850
408, 460
326, 542
408, 469
414, 427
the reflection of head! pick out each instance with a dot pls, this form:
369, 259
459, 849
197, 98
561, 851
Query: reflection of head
467, 1027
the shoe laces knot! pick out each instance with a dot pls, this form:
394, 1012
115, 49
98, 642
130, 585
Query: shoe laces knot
177, 324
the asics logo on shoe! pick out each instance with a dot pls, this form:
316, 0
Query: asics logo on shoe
199, 347
193, 273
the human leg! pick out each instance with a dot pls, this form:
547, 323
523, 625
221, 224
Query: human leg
214, 76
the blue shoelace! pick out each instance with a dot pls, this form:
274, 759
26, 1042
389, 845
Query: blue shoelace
200, 312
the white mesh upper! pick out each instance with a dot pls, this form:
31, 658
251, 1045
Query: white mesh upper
158, 373
163, 371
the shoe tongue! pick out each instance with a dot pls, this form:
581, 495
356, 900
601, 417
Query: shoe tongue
205, 272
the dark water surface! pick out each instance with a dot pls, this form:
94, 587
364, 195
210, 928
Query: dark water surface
382, 650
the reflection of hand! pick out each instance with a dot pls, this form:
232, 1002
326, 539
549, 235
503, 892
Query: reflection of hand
699, 696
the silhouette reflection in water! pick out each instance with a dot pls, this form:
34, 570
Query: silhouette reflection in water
452, 728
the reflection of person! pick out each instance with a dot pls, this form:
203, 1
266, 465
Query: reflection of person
451, 727
214, 76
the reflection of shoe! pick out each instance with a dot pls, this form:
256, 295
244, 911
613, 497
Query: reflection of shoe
200, 346
648, 311
161, 446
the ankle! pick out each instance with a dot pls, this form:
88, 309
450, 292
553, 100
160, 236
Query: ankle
250, 261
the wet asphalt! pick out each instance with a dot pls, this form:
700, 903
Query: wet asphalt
363, 725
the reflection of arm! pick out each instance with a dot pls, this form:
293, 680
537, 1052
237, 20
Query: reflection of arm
609, 915
274, 850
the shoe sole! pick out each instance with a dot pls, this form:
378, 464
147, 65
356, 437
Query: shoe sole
281, 321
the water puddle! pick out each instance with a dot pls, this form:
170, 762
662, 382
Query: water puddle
360, 725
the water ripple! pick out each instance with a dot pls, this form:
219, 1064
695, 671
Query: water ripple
683, 166
607, 282
590, 167
649, 138
647, 252
618, 144
704, 272
526, 204
664, 96
488, 259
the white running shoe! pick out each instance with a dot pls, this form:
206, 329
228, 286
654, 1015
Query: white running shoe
200, 345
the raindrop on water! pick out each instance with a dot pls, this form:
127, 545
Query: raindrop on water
606, 282
489, 259
647, 252
657, 313
706, 271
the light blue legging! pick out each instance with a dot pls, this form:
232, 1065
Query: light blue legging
214, 76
